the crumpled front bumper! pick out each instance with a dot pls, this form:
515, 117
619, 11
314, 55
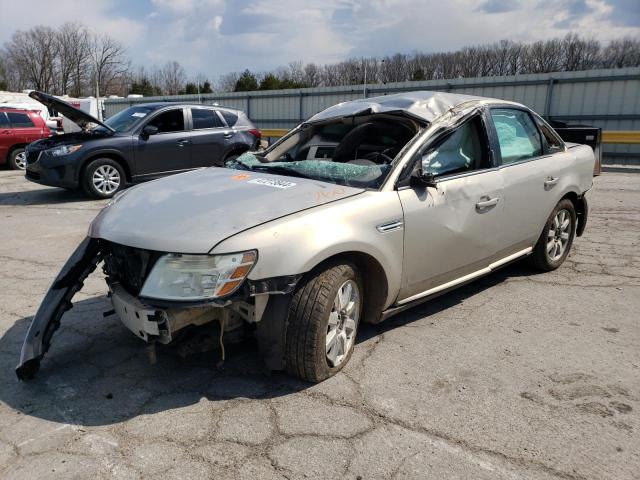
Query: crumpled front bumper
69, 281
270, 302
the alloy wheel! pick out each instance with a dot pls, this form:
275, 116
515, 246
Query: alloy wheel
558, 236
21, 160
106, 179
343, 320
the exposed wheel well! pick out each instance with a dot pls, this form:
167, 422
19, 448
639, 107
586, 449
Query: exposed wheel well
112, 156
581, 210
374, 281
573, 197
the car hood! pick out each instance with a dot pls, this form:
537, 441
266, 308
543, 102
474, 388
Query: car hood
192, 212
77, 116
66, 139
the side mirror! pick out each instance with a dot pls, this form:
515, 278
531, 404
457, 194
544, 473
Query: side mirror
149, 130
422, 177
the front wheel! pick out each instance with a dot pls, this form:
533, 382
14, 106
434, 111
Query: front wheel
102, 178
556, 238
323, 322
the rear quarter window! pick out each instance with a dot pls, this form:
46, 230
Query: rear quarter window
20, 120
229, 117
4, 121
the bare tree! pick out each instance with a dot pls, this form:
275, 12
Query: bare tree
33, 54
5, 81
311, 75
543, 56
73, 58
227, 82
624, 52
394, 68
579, 54
173, 78
109, 63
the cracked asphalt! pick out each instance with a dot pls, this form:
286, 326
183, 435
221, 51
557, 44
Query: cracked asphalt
518, 375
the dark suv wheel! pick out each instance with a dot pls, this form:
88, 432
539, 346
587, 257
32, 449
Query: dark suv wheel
102, 178
323, 322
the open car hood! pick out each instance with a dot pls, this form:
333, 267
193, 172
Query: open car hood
77, 116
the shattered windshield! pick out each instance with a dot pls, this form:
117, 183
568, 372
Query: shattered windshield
350, 152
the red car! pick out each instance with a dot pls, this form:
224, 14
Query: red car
18, 128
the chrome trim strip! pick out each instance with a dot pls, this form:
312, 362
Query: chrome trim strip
501, 262
391, 226
470, 276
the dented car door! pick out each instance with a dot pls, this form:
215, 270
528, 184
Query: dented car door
451, 226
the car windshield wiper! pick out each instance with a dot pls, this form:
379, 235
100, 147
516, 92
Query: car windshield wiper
280, 169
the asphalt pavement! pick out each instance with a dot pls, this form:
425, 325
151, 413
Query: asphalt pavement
518, 375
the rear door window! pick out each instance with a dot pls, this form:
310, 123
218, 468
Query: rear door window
205, 118
4, 121
518, 135
20, 120
171, 121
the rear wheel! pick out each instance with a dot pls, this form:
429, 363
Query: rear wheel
323, 322
18, 159
556, 238
102, 178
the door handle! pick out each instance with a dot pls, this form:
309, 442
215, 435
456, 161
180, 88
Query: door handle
484, 205
182, 143
228, 134
551, 182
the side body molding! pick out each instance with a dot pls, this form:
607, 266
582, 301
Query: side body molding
69, 281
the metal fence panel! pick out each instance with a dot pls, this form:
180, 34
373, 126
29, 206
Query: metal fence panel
605, 98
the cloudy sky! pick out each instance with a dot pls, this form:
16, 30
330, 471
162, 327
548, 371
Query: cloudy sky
214, 37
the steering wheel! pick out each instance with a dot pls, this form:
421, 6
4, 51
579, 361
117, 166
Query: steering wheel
375, 156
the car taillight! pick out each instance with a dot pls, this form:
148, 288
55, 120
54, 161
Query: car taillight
256, 133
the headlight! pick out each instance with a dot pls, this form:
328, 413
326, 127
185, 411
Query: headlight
197, 277
63, 150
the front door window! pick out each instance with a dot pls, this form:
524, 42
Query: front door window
171, 121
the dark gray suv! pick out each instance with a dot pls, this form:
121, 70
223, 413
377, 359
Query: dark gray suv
140, 143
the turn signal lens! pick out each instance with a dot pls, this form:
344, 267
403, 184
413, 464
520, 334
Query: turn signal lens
229, 287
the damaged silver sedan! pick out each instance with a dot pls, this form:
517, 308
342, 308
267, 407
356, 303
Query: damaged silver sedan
366, 209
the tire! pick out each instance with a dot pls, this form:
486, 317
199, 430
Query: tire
111, 173
18, 159
554, 243
313, 316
